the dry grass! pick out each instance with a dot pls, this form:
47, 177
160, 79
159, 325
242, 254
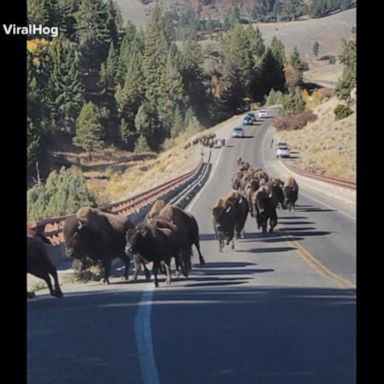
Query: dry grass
326, 146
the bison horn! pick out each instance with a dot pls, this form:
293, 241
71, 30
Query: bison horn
228, 209
81, 225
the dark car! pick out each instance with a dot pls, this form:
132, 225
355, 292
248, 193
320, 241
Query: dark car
249, 119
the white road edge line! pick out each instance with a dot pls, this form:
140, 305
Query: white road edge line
309, 197
197, 196
143, 336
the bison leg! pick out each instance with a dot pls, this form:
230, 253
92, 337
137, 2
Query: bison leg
126, 262
57, 292
233, 244
201, 258
156, 267
107, 264
147, 272
167, 272
45, 276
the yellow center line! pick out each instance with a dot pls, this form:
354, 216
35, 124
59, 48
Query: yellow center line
317, 266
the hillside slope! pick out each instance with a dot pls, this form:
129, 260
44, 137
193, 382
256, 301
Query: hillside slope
325, 146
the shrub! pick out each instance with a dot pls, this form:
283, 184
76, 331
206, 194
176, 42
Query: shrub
342, 111
295, 121
63, 192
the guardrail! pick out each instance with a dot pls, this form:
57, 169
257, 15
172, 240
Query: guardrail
52, 228
329, 179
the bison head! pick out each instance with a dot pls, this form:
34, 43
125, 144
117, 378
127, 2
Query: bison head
73, 229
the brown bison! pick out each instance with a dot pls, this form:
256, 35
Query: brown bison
153, 244
99, 236
291, 192
187, 234
39, 264
265, 209
229, 216
240, 204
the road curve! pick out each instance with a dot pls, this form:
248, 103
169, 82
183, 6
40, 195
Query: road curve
278, 309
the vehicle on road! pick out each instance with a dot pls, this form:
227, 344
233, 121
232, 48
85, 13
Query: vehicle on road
249, 119
282, 149
238, 132
263, 113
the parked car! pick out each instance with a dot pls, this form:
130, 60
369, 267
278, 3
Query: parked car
282, 149
238, 132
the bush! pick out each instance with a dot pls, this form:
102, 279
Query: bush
342, 111
295, 121
63, 193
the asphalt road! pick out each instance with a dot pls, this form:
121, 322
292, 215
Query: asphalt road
278, 309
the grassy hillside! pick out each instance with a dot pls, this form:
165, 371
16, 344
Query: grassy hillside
326, 146
328, 31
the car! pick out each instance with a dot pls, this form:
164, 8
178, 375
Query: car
249, 119
263, 113
282, 150
238, 132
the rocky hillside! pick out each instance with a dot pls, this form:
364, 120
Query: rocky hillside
325, 146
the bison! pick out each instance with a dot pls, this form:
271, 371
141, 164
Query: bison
291, 192
153, 244
39, 264
265, 209
240, 204
99, 236
187, 234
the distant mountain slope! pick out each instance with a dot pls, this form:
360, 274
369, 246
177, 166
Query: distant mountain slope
254, 10
328, 31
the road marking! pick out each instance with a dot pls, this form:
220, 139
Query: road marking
317, 266
143, 336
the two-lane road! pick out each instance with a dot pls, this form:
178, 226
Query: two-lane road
272, 311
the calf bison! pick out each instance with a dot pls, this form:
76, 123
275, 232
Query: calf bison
99, 236
39, 264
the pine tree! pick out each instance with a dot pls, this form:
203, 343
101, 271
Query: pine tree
89, 131
33, 143
348, 78
238, 65
155, 58
130, 96
115, 23
296, 62
173, 93
271, 73
44, 12
278, 50
108, 70
257, 41
64, 88
93, 33
294, 102
149, 126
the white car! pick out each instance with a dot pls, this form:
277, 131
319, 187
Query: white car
238, 132
282, 150
263, 113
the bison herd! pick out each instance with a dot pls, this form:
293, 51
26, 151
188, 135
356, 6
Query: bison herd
167, 232
255, 193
